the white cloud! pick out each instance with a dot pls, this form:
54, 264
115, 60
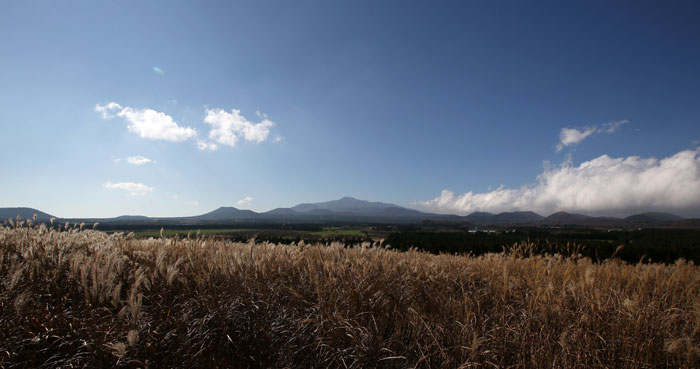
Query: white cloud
138, 160
134, 189
572, 136
147, 123
244, 201
227, 127
602, 186
204, 145
109, 110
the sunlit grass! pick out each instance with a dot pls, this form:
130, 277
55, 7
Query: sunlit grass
89, 299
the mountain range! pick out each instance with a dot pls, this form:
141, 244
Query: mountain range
348, 209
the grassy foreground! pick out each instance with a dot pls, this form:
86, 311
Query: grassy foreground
88, 299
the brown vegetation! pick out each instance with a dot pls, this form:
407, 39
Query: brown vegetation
88, 299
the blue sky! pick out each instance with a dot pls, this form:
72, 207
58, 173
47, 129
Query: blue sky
589, 107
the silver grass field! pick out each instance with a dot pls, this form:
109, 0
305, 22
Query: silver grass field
75, 297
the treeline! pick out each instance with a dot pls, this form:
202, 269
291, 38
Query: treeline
647, 245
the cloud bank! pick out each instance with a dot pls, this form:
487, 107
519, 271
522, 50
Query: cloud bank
572, 136
147, 123
602, 186
134, 189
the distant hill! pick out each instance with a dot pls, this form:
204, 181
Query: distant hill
479, 217
318, 211
517, 217
281, 211
227, 213
349, 209
654, 217
514, 217
399, 211
129, 218
345, 205
564, 217
24, 213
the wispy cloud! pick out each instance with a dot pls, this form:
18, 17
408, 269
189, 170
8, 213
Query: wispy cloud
604, 185
572, 136
244, 201
134, 189
158, 71
227, 128
138, 160
147, 123
204, 145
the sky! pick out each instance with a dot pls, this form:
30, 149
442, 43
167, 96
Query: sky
174, 108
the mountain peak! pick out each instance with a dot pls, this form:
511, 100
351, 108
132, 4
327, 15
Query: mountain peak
345, 204
227, 212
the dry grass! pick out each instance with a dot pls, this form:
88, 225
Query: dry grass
82, 298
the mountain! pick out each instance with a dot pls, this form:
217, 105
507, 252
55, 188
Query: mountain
345, 205
399, 211
517, 217
303, 207
281, 211
227, 213
130, 218
318, 211
653, 217
479, 217
563, 217
348, 209
24, 213
514, 217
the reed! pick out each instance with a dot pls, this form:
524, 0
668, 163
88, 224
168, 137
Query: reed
78, 297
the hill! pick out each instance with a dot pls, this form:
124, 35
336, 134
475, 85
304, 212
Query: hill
654, 217
24, 213
281, 211
345, 205
517, 217
227, 213
349, 209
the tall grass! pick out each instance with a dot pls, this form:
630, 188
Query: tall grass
82, 298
